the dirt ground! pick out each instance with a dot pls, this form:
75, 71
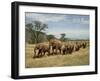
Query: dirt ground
78, 58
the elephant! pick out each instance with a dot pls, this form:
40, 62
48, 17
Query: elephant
64, 49
84, 44
67, 49
41, 49
55, 46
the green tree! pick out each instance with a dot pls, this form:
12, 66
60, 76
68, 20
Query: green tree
29, 26
49, 37
39, 27
63, 37
35, 29
29, 33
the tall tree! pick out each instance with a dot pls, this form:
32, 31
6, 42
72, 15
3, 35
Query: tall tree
29, 26
36, 29
29, 33
38, 26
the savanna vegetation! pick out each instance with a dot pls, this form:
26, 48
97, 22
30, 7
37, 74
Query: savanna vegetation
42, 50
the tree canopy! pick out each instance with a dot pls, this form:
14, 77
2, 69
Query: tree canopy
36, 28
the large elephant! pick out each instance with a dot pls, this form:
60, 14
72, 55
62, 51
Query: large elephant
55, 46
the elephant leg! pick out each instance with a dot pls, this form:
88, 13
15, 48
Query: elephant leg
39, 53
56, 51
64, 52
60, 51
48, 52
35, 53
52, 51
44, 53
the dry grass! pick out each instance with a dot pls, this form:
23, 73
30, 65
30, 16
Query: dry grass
75, 59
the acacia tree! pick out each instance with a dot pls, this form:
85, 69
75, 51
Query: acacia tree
38, 27
29, 33
29, 27
63, 37
35, 29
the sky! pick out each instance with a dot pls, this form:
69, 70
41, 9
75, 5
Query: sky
75, 26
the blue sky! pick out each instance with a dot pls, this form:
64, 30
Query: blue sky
74, 26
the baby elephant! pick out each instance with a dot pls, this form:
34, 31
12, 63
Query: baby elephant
40, 50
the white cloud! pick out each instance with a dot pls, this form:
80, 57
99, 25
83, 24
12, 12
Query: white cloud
77, 19
64, 20
84, 21
45, 17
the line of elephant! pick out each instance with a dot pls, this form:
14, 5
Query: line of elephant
55, 47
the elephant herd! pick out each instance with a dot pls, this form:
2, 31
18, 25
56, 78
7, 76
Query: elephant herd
55, 47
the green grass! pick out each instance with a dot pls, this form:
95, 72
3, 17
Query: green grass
75, 59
